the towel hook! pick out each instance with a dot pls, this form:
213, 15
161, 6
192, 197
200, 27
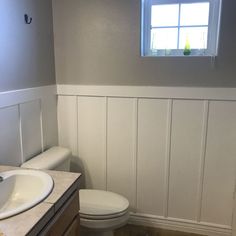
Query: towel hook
28, 19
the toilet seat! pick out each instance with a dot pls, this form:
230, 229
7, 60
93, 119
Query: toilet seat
102, 205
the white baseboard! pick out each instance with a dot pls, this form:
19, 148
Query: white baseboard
180, 225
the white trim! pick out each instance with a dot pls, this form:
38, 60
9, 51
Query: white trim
20, 132
105, 142
228, 94
168, 156
135, 151
212, 29
155, 2
41, 125
77, 125
13, 97
180, 225
202, 158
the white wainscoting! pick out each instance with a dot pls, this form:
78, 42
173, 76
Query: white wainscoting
28, 123
170, 151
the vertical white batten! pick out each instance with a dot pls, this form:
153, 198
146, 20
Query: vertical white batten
77, 125
105, 142
21, 138
168, 153
135, 154
41, 125
202, 158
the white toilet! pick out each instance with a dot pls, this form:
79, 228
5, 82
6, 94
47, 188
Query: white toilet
100, 211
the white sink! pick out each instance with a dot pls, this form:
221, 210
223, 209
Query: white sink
22, 189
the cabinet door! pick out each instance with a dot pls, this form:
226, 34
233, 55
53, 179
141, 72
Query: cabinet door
66, 217
73, 229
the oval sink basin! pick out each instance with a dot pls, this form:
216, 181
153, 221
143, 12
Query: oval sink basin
22, 189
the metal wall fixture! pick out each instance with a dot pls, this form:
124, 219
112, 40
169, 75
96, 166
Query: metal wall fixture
28, 19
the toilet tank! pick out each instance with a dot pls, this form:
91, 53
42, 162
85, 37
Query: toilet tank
55, 158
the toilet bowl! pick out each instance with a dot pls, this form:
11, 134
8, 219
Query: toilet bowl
100, 211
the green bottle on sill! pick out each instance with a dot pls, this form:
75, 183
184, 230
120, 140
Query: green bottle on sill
187, 49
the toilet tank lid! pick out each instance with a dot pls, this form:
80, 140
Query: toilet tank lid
49, 159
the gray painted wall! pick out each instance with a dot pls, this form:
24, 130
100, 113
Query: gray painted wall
98, 42
26, 51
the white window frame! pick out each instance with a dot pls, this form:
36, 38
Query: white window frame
213, 28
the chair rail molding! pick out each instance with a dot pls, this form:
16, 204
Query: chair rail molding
202, 93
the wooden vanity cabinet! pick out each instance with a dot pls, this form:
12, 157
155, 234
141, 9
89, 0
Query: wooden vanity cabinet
66, 220
73, 228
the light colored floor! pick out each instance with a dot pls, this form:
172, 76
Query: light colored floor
133, 230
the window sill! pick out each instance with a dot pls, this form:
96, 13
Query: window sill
179, 56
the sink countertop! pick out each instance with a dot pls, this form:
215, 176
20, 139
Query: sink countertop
32, 221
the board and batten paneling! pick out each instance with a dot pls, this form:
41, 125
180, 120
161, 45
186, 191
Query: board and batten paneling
10, 144
31, 129
92, 140
186, 139
49, 121
67, 122
220, 164
153, 140
121, 151
28, 123
173, 155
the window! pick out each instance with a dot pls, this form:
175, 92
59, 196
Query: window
180, 27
